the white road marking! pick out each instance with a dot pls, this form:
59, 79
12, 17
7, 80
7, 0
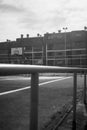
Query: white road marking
26, 78
28, 87
53, 81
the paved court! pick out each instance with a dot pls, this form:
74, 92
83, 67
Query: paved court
15, 99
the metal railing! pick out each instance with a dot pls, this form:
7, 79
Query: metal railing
13, 69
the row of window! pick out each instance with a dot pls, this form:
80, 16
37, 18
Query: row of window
60, 62
53, 57
40, 55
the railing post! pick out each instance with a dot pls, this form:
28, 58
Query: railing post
34, 102
74, 101
84, 91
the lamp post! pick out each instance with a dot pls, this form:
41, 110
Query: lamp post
65, 28
85, 75
85, 29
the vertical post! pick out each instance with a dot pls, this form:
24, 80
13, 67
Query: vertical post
34, 102
84, 91
65, 51
42, 55
65, 28
74, 101
46, 55
32, 56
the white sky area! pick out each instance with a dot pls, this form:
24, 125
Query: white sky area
40, 16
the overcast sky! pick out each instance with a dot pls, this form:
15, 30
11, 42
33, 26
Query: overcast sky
40, 16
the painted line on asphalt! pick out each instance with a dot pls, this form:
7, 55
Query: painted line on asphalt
53, 81
26, 78
28, 87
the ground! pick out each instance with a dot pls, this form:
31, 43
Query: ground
15, 107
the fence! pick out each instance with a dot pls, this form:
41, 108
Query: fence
13, 69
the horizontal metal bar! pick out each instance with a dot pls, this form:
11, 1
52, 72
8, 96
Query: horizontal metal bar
66, 50
12, 69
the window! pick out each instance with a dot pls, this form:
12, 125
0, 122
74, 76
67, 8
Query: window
50, 46
28, 48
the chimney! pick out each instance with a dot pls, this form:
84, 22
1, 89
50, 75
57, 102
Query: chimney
8, 40
59, 31
21, 36
38, 34
27, 35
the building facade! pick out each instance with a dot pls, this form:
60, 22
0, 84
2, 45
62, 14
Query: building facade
54, 49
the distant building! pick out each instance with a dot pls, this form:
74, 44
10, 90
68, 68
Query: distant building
55, 49
66, 49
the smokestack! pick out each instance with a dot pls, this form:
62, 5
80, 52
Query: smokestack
21, 35
27, 35
38, 34
8, 40
59, 31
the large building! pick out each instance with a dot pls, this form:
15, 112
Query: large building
55, 49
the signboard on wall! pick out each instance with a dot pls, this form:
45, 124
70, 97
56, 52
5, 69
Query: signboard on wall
16, 51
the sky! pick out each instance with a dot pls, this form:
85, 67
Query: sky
40, 16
